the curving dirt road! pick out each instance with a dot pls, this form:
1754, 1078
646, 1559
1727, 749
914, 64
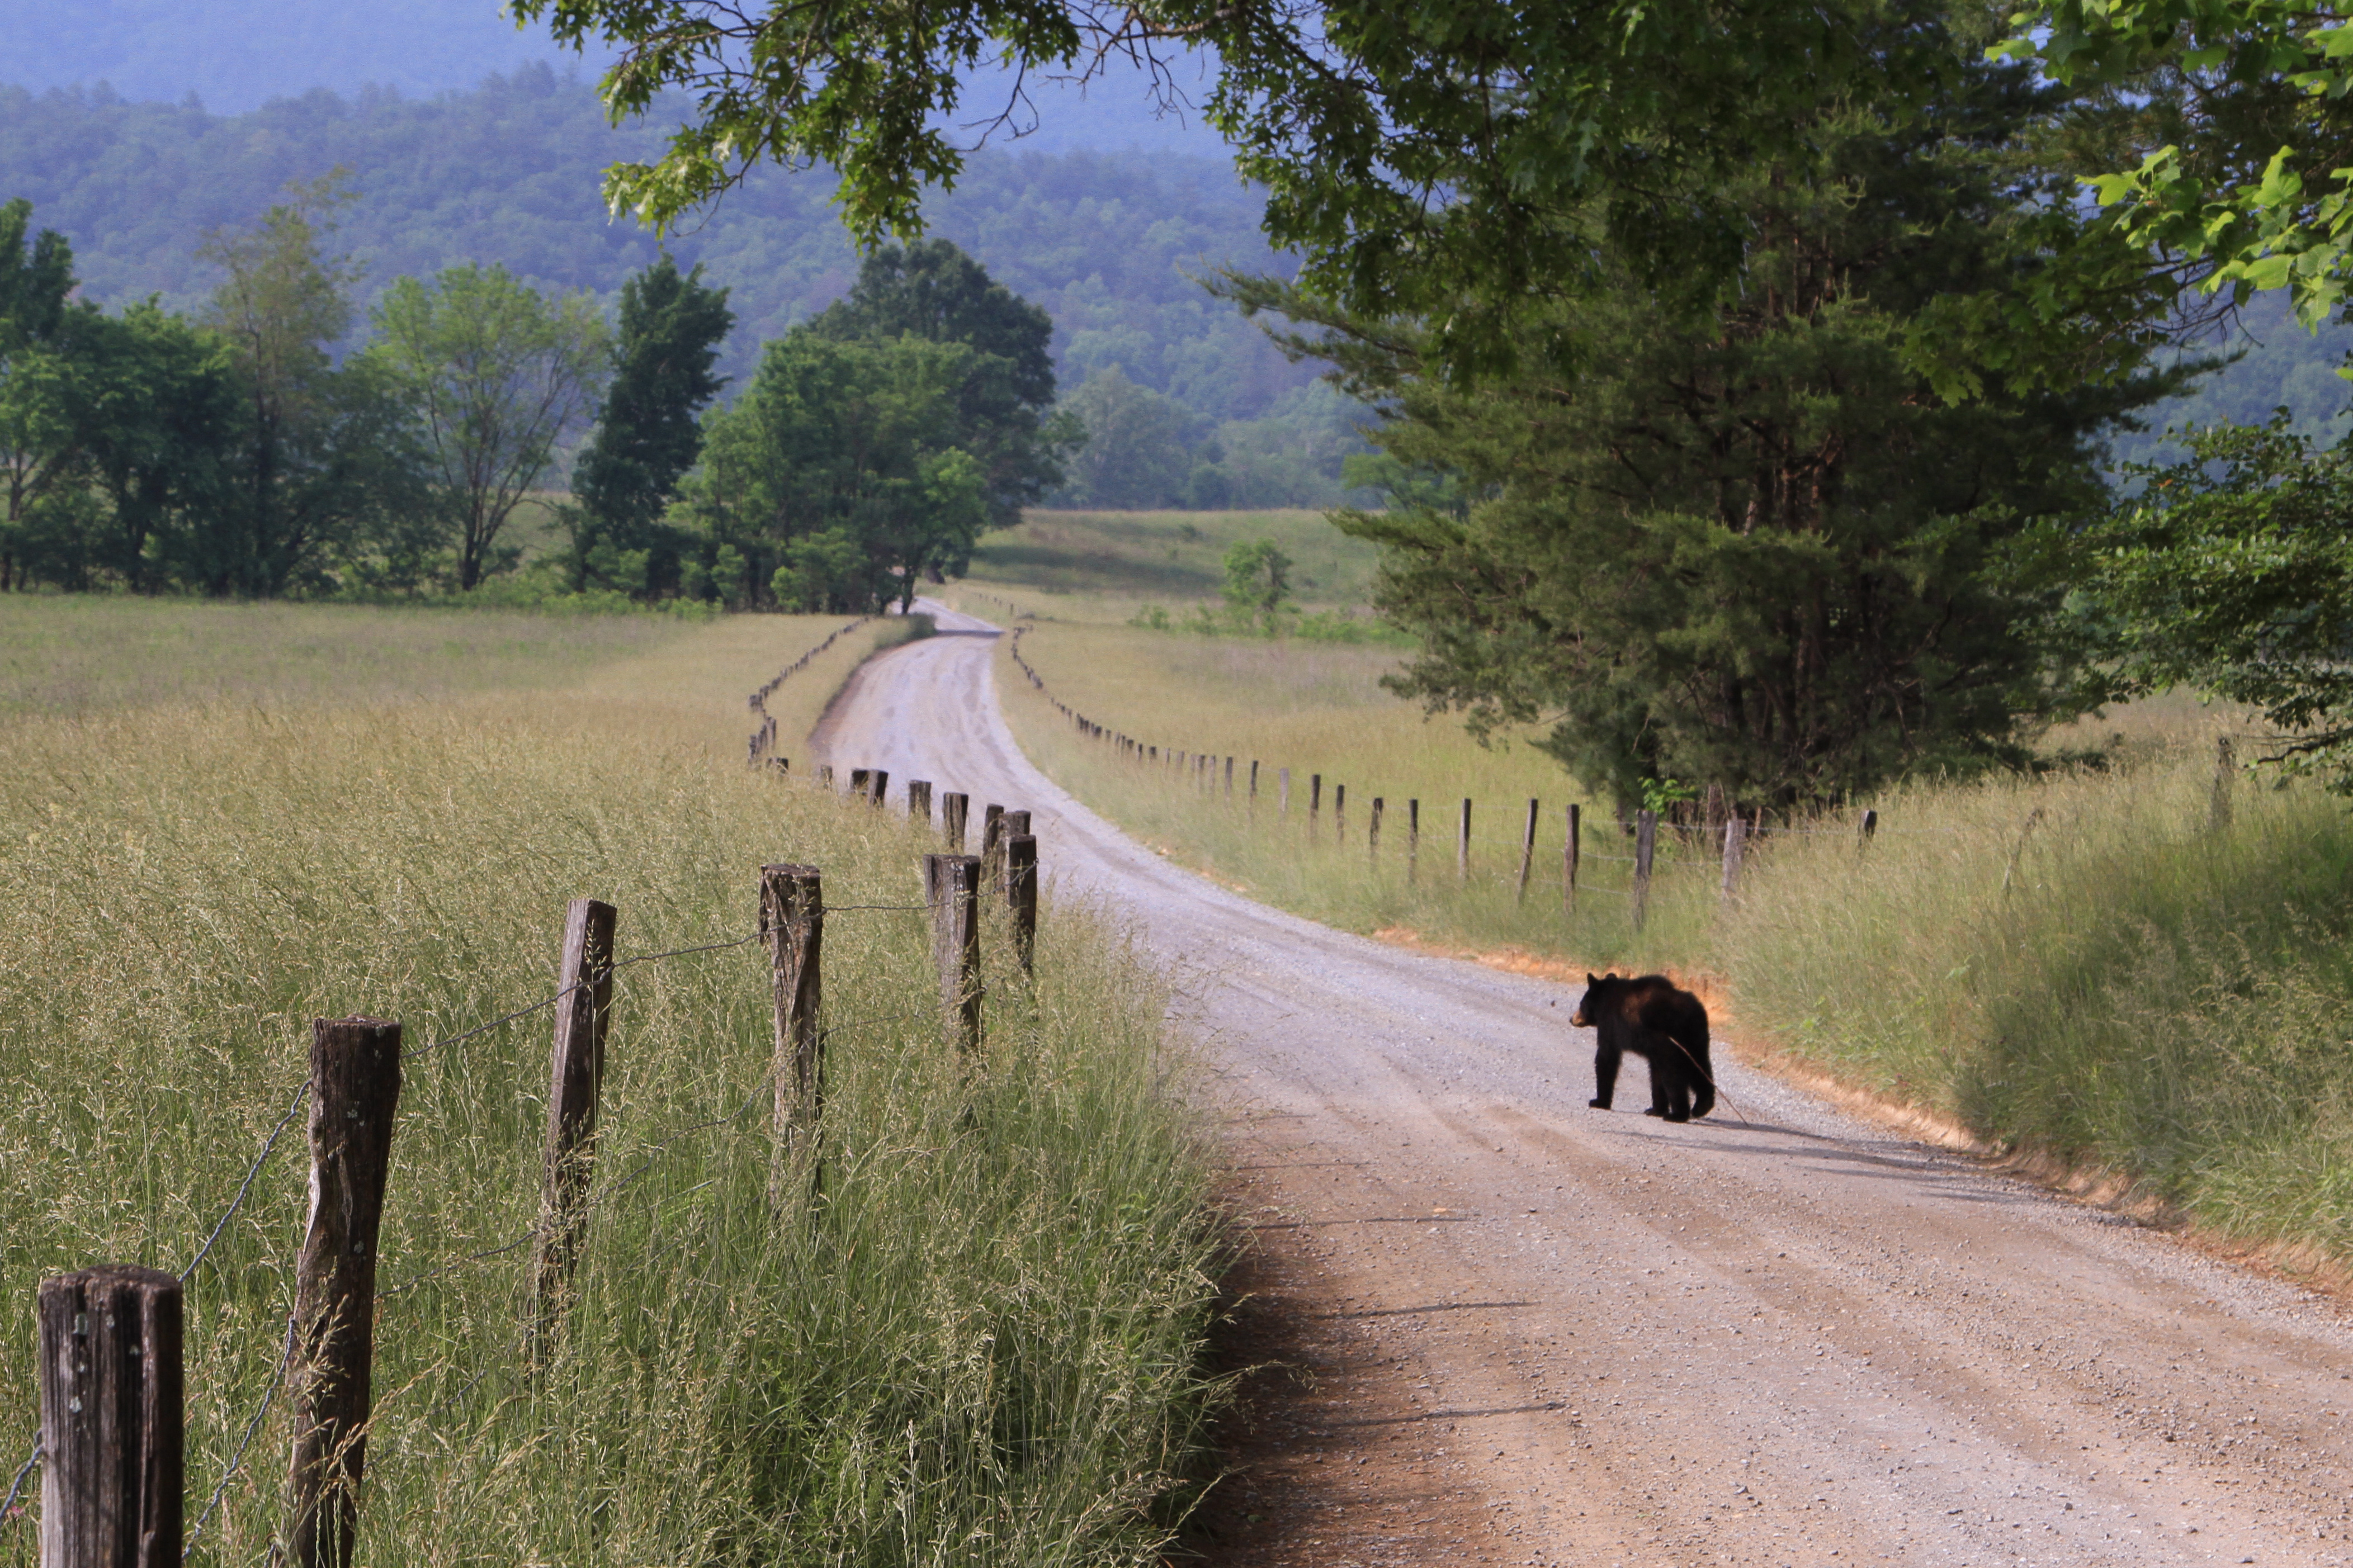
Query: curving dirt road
1553, 1334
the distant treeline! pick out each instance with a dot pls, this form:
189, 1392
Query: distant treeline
508, 174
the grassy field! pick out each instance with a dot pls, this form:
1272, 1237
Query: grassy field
2092, 965
1168, 557
1316, 708
978, 1348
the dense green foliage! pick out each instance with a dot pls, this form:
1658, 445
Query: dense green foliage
647, 434
2231, 571
1731, 534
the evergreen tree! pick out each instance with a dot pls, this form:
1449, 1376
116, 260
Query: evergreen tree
648, 433
1729, 533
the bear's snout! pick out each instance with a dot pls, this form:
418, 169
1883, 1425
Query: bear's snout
1576, 1020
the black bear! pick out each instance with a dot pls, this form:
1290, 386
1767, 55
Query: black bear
1666, 1026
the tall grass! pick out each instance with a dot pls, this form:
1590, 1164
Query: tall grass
1317, 708
977, 1347
2092, 966
1171, 557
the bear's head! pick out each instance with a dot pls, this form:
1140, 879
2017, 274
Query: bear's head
1596, 991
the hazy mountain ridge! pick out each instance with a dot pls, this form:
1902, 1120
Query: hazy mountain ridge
1104, 242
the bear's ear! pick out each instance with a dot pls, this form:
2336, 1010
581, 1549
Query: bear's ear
1591, 978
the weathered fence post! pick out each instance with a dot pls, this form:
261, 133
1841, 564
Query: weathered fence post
1528, 850
1314, 801
792, 917
2218, 811
1021, 891
918, 801
1253, 782
877, 783
1339, 814
112, 1418
1735, 840
859, 778
1463, 843
1283, 796
1646, 844
1373, 830
355, 1089
1870, 828
1569, 851
584, 981
1011, 823
955, 807
1412, 838
1230, 778
991, 844
952, 884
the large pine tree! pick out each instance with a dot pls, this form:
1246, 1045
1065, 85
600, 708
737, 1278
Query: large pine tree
1730, 534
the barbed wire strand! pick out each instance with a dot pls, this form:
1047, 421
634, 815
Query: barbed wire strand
252, 1171
237, 1460
8, 1508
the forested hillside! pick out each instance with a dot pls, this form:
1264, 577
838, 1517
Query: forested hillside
508, 174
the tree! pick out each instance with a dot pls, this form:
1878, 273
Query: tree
499, 374
2226, 140
934, 291
1438, 157
1727, 531
648, 433
1258, 579
2232, 571
325, 456
44, 436
1135, 454
160, 409
836, 482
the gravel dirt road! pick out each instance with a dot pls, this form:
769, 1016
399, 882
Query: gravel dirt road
1536, 1332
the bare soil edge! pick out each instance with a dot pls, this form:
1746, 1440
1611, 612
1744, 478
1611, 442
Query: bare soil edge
2095, 1186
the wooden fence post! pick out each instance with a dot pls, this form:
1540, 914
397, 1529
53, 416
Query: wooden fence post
792, 917
1569, 851
1339, 814
877, 781
918, 801
1735, 840
991, 844
1011, 823
355, 1089
2218, 810
583, 982
1373, 831
1230, 778
859, 780
1282, 795
1646, 844
1870, 828
1253, 783
1021, 891
1528, 850
1463, 843
1412, 838
955, 807
953, 883
112, 1418
1314, 800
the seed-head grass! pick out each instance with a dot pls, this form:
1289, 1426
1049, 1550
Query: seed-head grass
972, 1339
1317, 708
